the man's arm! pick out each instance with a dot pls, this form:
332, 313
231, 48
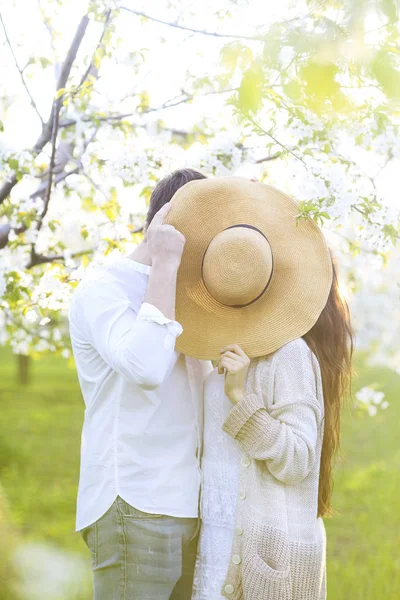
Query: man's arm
138, 346
165, 245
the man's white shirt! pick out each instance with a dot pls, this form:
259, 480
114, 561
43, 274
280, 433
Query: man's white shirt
142, 430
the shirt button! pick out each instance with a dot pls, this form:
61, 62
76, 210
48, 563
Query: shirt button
229, 589
246, 461
242, 495
239, 531
236, 559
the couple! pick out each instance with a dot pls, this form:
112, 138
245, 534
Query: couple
197, 482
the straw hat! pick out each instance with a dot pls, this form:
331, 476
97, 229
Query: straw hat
250, 273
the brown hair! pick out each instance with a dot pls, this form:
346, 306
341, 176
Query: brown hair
332, 341
167, 187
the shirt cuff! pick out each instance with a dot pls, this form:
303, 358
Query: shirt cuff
150, 313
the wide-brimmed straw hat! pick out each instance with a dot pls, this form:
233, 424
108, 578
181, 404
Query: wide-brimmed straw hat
251, 273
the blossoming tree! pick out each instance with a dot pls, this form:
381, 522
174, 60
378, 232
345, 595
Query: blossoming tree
118, 97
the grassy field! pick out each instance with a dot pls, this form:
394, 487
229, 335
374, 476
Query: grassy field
39, 461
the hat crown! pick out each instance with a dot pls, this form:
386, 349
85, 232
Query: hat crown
237, 265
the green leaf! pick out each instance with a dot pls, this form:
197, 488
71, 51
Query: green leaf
112, 208
320, 80
60, 92
390, 9
44, 62
13, 164
385, 69
292, 89
234, 55
250, 90
144, 103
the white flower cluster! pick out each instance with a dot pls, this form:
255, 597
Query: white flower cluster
51, 292
371, 400
222, 156
374, 305
3, 279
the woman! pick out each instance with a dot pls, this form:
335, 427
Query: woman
257, 275
282, 418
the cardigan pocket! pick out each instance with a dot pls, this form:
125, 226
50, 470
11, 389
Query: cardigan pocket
261, 581
266, 569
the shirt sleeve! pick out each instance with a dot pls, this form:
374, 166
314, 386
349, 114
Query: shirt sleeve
139, 345
285, 437
151, 314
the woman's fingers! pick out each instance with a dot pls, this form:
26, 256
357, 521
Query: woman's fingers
236, 349
232, 355
230, 365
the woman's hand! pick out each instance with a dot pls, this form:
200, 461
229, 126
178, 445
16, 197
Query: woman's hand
234, 362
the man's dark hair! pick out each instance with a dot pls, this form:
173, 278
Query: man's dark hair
167, 187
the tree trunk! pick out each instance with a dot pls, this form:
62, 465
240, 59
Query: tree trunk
24, 363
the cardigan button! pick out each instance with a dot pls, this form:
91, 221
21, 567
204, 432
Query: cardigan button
242, 495
229, 589
246, 461
236, 559
239, 531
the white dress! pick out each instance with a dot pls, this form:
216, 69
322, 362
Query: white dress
220, 467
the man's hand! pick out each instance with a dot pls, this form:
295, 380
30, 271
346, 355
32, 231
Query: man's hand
235, 363
165, 243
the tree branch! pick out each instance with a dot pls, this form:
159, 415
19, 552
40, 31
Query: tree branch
269, 134
164, 106
268, 158
20, 71
255, 38
87, 72
60, 177
46, 23
39, 259
56, 115
45, 136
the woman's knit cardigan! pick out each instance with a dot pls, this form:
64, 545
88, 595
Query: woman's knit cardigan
279, 546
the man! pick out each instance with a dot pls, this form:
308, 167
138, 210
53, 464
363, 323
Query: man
137, 506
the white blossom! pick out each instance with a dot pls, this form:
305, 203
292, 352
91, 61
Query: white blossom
370, 400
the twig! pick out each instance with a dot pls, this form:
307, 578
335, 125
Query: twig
87, 72
20, 71
256, 38
351, 243
164, 106
60, 177
5, 229
45, 136
39, 259
269, 134
56, 115
268, 158
49, 28
95, 185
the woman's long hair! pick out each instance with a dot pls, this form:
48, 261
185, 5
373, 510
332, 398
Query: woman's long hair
332, 341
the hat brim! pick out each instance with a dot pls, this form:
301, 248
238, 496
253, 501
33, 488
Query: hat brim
300, 283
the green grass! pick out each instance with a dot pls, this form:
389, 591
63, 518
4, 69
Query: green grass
364, 538
39, 449
39, 463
